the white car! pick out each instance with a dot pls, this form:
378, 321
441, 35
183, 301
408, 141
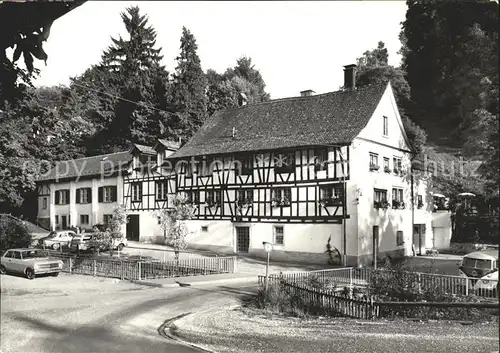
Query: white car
488, 283
30, 262
57, 239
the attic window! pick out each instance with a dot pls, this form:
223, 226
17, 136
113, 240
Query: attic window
386, 126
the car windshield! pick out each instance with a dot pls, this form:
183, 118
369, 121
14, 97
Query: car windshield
32, 254
52, 235
468, 262
484, 264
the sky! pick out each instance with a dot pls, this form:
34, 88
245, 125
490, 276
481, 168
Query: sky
295, 45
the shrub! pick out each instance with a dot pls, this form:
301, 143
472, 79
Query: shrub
277, 299
13, 234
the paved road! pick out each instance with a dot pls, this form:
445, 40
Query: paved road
105, 317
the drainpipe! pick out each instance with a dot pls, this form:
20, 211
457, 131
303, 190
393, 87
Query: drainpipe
412, 207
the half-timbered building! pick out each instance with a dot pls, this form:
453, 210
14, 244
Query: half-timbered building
305, 173
299, 172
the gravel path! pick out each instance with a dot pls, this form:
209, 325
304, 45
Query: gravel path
236, 331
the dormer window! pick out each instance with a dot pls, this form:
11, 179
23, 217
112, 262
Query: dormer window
386, 126
284, 162
320, 159
159, 159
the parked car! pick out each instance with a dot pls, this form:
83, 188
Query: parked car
30, 262
57, 239
82, 242
481, 267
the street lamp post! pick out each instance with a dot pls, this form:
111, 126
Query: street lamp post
268, 247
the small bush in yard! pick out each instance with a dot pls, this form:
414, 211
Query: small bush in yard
13, 234
276, 299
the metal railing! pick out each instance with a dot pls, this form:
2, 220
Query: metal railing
141, 270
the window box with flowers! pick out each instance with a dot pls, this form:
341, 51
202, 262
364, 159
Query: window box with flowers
398, 205
319, 166
330, 201
398, 171
387, 170
374, 167
381, 204
280, 202
211, 203
244, 203
213, 199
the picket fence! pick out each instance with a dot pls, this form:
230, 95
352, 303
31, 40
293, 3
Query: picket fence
361, 277
346, 304
141, 270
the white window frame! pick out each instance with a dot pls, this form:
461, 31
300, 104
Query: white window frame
84, 195
107, 192
398, 194
275, 233
136, 191
161, 190
385, 129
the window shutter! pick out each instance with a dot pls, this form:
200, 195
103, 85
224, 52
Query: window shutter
68, 198
56, 195
101, 194
89, 194
113, 194
78, 196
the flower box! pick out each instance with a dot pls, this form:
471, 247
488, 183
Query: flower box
398, 205
374, 167
212, 204
280, 202
333, 201
387, 170
381, 204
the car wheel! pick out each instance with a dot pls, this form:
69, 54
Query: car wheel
54, 274
30, 274
3, 270
120, 247
55, 246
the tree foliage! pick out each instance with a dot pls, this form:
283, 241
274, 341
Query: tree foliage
13, 234
172, 221
188, 96
449, 47
130, 68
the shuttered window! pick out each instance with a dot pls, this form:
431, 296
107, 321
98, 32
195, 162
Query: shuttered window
107, 194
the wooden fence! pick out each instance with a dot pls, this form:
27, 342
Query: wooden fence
141, 270
362, 277
330, 302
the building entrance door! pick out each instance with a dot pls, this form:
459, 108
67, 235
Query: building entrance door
242, 239
133, 227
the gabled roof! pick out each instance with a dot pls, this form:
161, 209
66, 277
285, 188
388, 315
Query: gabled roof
171, 145
330, 118
88, 166
143, 149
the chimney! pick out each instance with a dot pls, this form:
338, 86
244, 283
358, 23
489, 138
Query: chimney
350, 77
307, 93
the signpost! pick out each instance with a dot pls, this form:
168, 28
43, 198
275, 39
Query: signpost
268, 247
